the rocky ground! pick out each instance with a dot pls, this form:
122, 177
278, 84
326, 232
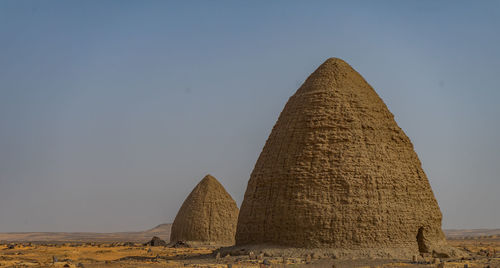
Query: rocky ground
484, 251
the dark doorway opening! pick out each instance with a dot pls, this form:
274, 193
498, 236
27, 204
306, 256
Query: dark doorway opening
422, 248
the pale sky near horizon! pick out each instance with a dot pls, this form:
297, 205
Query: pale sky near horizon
112, 111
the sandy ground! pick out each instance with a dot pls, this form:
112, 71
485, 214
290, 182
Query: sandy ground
482, 252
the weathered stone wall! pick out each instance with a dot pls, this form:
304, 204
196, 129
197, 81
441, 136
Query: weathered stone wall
338, 172
207, 216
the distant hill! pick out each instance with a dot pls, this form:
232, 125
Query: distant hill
471, 233
162, 231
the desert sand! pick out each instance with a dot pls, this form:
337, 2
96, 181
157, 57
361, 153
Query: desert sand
482, 251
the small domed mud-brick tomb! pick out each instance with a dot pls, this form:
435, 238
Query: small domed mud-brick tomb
208, 216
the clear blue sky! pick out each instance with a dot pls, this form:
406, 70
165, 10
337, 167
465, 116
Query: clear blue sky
111, 111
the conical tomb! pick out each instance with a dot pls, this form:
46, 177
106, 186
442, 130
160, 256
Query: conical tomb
207, 216
337, 172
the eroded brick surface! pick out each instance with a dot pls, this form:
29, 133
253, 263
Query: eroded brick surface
337, 171
208, 215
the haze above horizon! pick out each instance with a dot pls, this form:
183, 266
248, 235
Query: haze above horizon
112, 111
